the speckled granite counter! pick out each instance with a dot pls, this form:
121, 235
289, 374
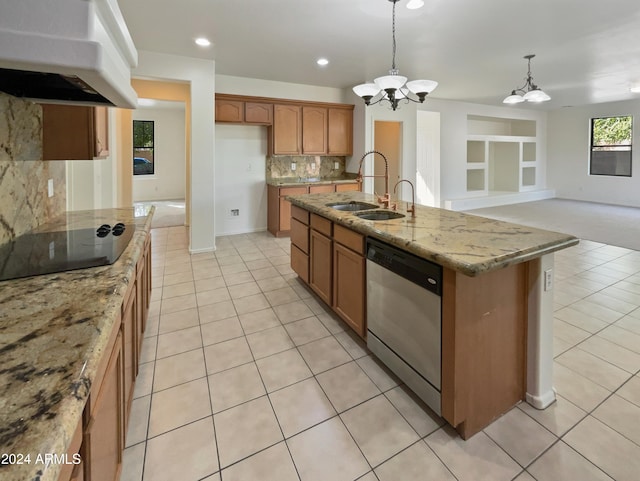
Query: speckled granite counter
294, 181
466, 243
53, 331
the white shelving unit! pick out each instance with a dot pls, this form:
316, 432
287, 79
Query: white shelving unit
501, 155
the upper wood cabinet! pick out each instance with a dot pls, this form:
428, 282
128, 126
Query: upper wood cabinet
340, 131
314, 130
73, 132
258, 113
296, 127
286, 129
229, 110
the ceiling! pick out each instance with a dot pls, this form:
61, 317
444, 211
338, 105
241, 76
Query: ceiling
587, 51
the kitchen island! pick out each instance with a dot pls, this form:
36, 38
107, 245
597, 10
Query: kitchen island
67, 349
497, 309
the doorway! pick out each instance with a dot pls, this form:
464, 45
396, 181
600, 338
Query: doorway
387, 139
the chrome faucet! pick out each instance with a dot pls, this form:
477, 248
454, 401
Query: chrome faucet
411, 209
385, 199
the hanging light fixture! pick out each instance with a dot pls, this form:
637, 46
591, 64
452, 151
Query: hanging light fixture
533, 93
394, 87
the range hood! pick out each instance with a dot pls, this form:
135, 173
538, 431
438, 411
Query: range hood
67, 51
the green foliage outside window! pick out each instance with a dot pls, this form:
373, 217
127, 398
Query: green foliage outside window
612, 131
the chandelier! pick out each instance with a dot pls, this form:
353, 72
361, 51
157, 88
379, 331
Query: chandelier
533, 93
394, 87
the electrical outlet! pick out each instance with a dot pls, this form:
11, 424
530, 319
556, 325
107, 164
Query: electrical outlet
336, 165
50, 187
235, 212
313, 166
293, 166
548, 279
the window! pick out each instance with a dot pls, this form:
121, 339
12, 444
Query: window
611, 146
143, 150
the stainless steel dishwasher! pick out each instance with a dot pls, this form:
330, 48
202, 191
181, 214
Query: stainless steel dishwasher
404, 317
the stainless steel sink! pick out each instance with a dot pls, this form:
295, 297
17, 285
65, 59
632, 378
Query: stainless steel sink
379, 215
352, 206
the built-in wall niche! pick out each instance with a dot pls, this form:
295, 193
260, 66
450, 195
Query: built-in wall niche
480, 125
501, 155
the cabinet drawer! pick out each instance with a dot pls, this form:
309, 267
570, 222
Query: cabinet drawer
321, 224
300, 235
300, 263
348, 187
321, 189
349, 238
300, 214
292, 191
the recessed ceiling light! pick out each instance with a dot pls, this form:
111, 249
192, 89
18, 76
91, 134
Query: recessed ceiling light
322, 62
413, 4
203, 42
635, 89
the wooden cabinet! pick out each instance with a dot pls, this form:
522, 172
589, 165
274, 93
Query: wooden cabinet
320, 252
286, 130
258, 113
279, 209
229, 110
129, 330
314, 130
331, 259
340, 131
322, 189
355, 186
104, 422
73, 132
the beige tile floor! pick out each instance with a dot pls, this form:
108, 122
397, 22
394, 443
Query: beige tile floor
245, 376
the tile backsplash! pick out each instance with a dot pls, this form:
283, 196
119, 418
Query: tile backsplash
306, 166
24, 203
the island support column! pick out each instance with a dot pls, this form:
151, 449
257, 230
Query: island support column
540, 392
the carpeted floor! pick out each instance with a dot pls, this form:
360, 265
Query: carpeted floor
608, 224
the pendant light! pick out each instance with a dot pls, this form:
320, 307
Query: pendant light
394, 87
533, 93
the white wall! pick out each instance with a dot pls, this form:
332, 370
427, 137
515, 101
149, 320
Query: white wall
226, 84
241, 179
200, 74
568, 156
168, 180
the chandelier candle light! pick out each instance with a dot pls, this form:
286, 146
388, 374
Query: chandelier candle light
533, 93
394, 87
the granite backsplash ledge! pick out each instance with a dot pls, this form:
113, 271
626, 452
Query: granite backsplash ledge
24, 203
306, 166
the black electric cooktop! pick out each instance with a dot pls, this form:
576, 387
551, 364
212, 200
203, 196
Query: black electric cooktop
35, 254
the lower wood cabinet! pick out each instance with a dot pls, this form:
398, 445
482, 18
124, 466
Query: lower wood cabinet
330, 259
100, 438
104, 422
279, 209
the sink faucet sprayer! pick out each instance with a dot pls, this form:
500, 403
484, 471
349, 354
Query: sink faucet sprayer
411, 209
385, 200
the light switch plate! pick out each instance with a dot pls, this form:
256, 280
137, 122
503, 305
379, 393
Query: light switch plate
548, 279
50, 187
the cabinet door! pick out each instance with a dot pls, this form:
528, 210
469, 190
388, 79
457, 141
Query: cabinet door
284, 206
320, 265
67, 132
300, 263
314, 130
286, 129
258, 113
340, 132
229, 111
349, 287
104, 432
130, 344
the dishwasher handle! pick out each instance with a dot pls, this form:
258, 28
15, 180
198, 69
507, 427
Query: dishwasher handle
413, 268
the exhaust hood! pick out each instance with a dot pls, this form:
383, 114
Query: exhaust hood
67, 51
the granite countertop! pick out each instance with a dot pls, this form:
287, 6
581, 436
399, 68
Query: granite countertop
294, 181
466, 243
53, 333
